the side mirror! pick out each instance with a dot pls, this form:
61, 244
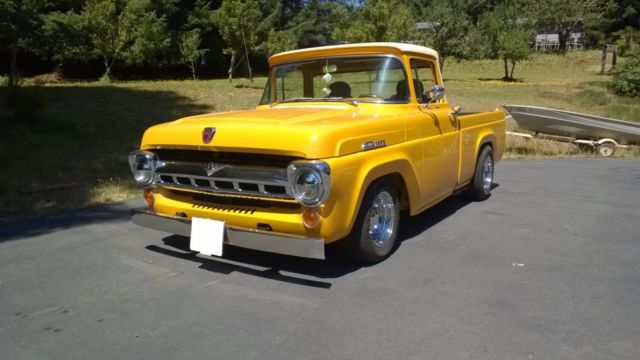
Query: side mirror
436, 93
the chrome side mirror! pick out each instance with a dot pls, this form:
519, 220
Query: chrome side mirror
436, 93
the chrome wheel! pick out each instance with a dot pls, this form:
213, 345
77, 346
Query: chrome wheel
487, 173
381, 218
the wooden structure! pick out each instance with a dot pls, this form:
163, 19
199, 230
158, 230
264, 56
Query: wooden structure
614, 58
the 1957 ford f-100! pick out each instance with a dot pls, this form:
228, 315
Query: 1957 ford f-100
344, 138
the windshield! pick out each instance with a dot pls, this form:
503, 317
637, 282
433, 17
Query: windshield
362, 78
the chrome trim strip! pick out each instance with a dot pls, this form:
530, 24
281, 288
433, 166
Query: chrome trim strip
274, 242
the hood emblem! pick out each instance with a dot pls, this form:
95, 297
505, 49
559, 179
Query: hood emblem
207, 134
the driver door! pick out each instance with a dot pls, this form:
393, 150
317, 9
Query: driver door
441, 150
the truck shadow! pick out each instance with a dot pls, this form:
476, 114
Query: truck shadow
302, 271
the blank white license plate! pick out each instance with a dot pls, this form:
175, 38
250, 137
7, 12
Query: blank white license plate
207, 236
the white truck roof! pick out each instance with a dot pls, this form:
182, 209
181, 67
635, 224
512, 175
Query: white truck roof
402, 47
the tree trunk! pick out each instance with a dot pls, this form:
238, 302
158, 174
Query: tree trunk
233, 60
506, 69
107, 68
513, 66
563, 36
193, 70
14, 64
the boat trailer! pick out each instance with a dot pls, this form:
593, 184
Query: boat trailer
605, 147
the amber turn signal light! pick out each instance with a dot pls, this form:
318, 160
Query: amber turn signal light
311, 218
148, 196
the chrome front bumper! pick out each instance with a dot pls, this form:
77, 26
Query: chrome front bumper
247, 238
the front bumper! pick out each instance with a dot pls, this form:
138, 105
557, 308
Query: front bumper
247, 238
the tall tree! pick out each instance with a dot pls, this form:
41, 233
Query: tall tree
190, 51
199, 20
21, 23
238, 21
505, 34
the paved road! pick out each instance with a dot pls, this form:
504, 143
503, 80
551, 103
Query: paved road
548, 268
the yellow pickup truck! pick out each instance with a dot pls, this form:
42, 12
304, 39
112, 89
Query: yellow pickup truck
344, 139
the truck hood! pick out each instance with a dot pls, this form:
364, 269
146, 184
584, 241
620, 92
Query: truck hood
310, 131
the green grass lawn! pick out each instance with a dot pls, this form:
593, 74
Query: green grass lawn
76, 136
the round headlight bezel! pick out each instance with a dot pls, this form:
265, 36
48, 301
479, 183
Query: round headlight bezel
318, 182
143, 166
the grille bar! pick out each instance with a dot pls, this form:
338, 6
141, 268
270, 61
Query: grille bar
224, 179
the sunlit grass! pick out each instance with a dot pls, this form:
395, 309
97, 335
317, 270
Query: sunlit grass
570, 82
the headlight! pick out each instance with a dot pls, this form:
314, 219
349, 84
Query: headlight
309, 182
143, 167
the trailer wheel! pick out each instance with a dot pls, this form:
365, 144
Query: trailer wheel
606, 149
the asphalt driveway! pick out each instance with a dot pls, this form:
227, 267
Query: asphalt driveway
547, 268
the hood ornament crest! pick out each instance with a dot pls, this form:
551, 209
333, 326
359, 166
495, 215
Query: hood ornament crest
207, 134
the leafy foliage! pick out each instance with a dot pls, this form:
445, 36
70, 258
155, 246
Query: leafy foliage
377, 20
128, 30
21, 24
447, 29
190, 52
626, 77
195, 33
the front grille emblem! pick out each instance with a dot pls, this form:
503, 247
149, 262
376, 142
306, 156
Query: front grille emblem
207, 134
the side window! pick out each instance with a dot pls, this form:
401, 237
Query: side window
424, 77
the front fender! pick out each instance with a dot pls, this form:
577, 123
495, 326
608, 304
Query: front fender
352, 175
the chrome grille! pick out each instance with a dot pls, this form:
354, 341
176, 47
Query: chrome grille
224, 179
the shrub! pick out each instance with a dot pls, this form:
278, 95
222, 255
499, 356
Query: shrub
626, 77
50, 78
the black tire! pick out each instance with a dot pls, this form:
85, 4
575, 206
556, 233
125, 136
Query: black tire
361, 244
479, 189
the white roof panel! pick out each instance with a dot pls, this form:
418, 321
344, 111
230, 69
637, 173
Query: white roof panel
400, 46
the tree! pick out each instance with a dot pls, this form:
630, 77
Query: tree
504, 34
127, 30
198, 20
445, 28
237, 21
279, 41
64, 38
21, 23
377, 20
621, 28
190, 52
